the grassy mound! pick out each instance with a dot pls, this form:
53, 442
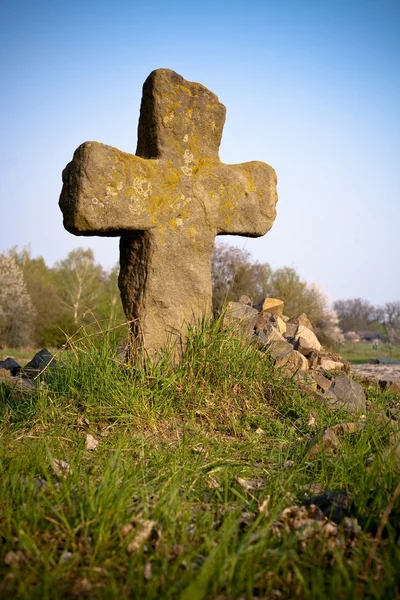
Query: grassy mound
195, 485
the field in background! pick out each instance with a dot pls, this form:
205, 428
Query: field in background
360, 352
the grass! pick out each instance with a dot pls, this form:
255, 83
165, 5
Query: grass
172, 502
360, 352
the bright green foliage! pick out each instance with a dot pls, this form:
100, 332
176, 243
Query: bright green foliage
173, 441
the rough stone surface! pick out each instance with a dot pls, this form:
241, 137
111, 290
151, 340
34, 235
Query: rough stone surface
347, 394
291, 363
10, 364
301, 319
330, 365
327, 441
291, 330
271, 305
167, 203
278, 349
40, 361
18, 387
322, 382
240, 315
306, 341
279, 323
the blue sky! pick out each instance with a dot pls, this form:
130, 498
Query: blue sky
311, 87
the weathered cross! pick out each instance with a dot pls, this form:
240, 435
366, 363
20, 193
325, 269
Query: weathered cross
167, 203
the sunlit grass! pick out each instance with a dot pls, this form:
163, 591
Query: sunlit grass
175, 441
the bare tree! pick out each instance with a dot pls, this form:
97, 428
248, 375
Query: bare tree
355, 314
233, 273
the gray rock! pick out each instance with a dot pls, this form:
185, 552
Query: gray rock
306, 341
240, 316
327, 364
347, 394
40, 361
10, 365
292, 363
291, 330
334, 504
270, 305
244, 299
301, 319
280, 348
323, 382
167, 203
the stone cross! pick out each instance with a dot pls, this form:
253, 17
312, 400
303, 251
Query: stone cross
167, 204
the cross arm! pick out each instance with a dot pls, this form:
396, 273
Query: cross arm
241, 199
106, 191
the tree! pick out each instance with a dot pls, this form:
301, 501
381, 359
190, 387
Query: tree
80, 281
355, 314
17, 312
110, 305
391, 314
51, 315
233, 274
391, 311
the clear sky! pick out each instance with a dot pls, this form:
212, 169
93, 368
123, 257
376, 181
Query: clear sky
311, 87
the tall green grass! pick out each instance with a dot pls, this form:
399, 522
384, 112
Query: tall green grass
195, 447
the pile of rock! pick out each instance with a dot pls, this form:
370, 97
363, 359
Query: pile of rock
297, 352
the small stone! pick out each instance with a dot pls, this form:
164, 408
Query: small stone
347, 394
250, 484
291, 330
334, 504
13, 559
40, 483
323, 382
267, 336
302, 320
330, 365
278, 323
10, 364
326, 441
306, 341
65, 557
19, 387
39, 362
291, 363
60, 467
271, 305
147, 571
280, 348
145, 530
246, 300
347, 428
259, 431
240, 316
312, 420
91, 442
